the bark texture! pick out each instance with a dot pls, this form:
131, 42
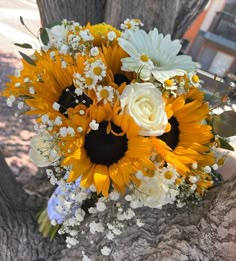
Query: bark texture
204, 231
169, 16
186, 14
79, 10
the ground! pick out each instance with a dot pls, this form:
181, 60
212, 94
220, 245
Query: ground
15, 132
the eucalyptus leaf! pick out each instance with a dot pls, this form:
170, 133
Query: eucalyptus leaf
22, 20
24, 45
225, 145
224, 124
44, 36
27, 58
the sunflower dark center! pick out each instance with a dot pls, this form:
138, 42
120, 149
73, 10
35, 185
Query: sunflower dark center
103, 148
69, 99
120, 78
171, 138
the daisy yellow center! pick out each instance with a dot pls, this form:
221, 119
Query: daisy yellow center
76, 28
169, 83
104, 93
144, 58
105, 148
178, 181
195, 78
128, 25
137, 21
97, 70
88, 81
168, 175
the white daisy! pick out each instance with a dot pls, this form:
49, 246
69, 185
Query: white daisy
194, 79
169, 174
90, 80
131, 24
170, 85
154, 49
105, 93
97, 69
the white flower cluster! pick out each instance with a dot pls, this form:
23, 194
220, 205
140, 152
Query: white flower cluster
66, 204
58, 38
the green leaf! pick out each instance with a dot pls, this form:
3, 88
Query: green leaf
225, 145
224, 124
21, 20
44, 36
216, 177
50, 25
24, 45
27, 58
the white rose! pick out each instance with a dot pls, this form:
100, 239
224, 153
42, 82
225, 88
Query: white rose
43, 151
144, 103
57, 35
153, 192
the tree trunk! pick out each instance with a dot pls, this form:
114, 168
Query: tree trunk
81, 11
204, 231
169, 16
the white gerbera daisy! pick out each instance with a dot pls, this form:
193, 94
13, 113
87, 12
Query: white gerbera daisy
154, 54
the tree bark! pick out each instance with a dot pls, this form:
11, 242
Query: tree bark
204, 231
81, 11
169, 16
186, 14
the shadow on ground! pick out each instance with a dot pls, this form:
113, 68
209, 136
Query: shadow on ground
15, 132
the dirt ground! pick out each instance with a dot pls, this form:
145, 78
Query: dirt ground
15, 132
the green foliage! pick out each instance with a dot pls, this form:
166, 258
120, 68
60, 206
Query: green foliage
53, 24
225, 145
27, 58
44, 36
22, 20
224, 124
24, 45
45, 226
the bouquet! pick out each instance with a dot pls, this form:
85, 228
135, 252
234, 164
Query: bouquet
120, 117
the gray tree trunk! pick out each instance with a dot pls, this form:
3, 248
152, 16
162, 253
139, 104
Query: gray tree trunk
205, 231
169, 16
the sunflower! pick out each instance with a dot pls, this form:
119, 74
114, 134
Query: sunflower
189, 139
22, 85
48, 87
108, 155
